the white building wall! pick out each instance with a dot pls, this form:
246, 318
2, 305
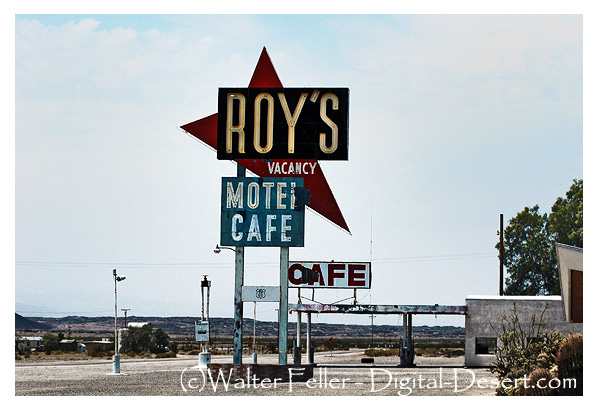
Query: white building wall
485, 314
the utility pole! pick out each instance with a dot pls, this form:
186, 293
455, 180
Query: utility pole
125, 310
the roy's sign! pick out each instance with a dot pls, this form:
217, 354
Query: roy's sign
283, 123
261, 212
319, 274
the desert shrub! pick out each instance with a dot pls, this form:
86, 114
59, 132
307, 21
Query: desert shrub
394, 352
538, 383
145, 339
569, 364
51, 342
168, 354
523, 348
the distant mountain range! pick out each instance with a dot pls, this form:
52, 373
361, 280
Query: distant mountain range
184, 327
26, 324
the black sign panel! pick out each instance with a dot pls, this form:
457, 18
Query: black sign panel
283, 123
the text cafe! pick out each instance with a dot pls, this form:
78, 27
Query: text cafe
319, 274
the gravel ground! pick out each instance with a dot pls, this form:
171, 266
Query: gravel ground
339, 374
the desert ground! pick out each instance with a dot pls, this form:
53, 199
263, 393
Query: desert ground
339, 373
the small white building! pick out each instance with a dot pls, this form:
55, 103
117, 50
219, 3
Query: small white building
23, 344
136, 325
561, 313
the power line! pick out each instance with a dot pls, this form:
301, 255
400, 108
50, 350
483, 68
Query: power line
389, 260
130, 265
435, 257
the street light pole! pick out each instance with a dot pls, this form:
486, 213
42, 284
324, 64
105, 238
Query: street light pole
116, 359
116, 345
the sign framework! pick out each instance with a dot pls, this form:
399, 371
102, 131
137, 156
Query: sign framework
323, 201
317, 188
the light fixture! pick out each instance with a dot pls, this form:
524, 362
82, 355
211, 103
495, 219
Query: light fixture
219, 248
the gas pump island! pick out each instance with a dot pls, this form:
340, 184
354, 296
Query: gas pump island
279, 134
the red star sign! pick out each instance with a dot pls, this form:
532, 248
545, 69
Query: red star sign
323, 202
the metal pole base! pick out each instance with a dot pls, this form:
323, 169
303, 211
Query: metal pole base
297, 355
116, 365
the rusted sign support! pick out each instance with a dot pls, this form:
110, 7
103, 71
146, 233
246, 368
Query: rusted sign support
283, 318
297, 350
309, 352
238, 301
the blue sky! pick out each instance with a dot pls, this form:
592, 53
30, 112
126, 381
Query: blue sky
454, 119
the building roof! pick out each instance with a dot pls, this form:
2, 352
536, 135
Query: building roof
568, 258
515, 297
136, 325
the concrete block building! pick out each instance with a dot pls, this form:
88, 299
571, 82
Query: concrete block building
485, 314
561, 313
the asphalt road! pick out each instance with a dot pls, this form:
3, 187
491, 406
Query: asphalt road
339, 374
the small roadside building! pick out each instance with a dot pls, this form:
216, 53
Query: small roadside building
99, 346
23, 344
561, 313
68, 345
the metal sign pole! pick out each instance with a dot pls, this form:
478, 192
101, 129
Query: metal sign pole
283, 303
238, 302
202, 293
309, 352
203, 317
297, 357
